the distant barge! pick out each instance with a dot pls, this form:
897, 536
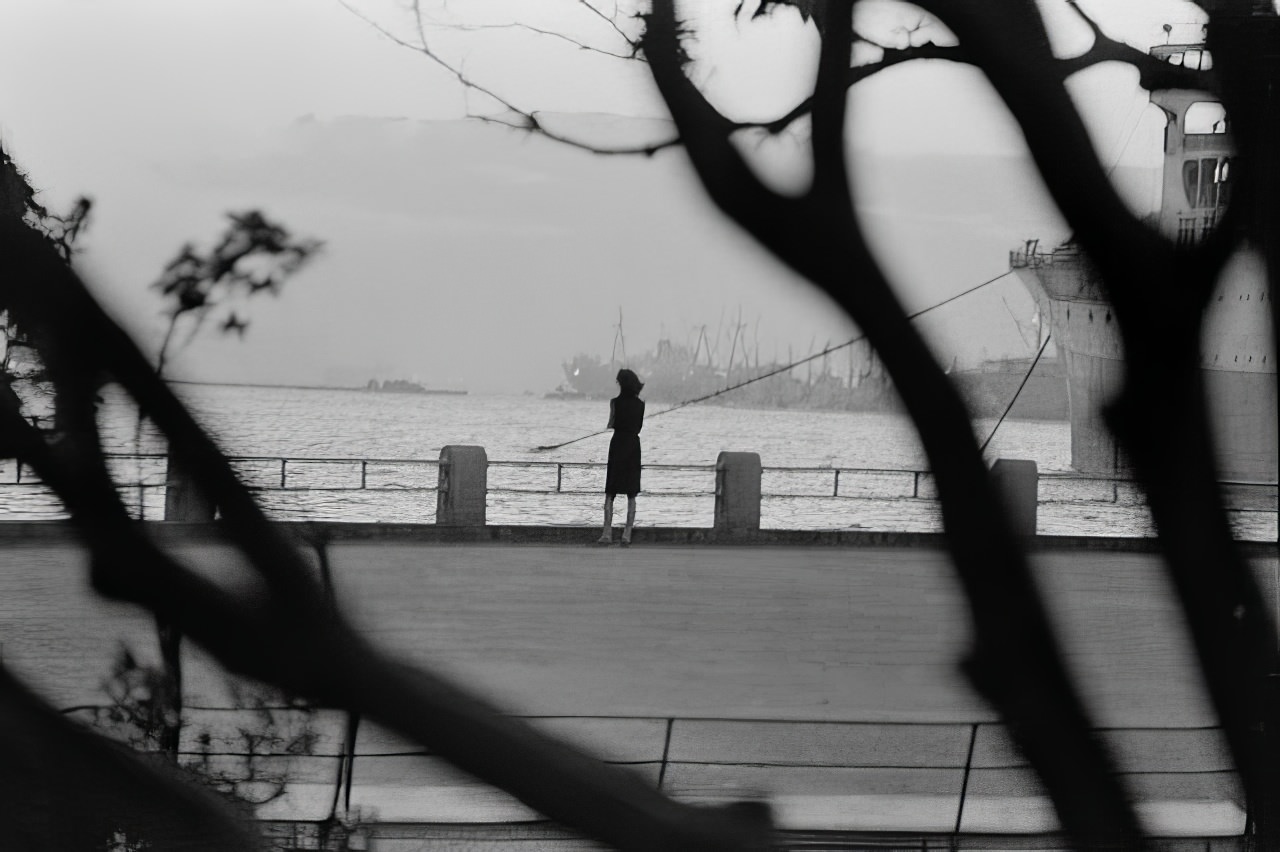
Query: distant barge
403, 386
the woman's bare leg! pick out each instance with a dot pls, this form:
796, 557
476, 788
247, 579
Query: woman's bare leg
631, 518
606, 536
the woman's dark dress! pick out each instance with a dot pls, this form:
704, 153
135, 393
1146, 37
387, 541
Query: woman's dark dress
623, 476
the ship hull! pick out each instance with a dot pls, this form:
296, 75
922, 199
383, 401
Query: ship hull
1239, 371
1037, 390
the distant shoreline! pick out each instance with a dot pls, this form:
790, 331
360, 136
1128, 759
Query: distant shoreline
426, 391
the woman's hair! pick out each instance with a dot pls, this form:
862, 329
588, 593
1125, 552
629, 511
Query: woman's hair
630, 382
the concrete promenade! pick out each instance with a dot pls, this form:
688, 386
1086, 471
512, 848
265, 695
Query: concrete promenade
817, 670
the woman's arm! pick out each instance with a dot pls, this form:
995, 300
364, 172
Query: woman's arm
610, 426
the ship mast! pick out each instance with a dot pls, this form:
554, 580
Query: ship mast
619, 341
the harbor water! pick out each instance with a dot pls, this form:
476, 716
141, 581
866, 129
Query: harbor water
354, 455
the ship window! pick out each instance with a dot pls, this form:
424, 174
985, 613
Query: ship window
1208, 184
1205, 181
1204, 117
1198, 59
1191, 180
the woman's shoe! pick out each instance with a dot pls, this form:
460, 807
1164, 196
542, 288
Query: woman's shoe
605, 539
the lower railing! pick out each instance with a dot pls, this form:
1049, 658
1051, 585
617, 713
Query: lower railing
959, 778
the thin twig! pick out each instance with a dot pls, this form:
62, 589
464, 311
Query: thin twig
520, 25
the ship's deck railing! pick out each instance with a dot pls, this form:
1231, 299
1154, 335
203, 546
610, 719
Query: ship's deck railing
957, 778
1031, 255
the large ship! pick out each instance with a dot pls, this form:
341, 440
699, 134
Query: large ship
852, 379
1236, 348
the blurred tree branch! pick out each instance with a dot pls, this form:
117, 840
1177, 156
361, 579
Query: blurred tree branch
1159, 291
1015, 663
254, 255
288, 633
69, 789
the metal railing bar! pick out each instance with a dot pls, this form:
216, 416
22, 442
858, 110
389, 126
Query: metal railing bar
664, 761
335, 460
1131, 773
374, 489
872, 498
577, 492
1251, 495
898, 471
1072, 476
1241, 510
786, 764
386, 755
692, 468
596, 492
739, 720
702, 467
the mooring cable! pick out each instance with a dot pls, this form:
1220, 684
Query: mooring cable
1009, 407
783, 369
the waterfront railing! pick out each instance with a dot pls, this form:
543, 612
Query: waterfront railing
400, 490
944, 778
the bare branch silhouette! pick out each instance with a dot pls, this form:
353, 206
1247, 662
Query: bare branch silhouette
1159, 292
288, 633
581, 45
1015, 662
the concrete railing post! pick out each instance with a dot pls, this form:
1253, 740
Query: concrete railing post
182, 500
737, 493
464, 485
1018, 481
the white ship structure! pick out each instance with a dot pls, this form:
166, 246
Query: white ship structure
1236, 349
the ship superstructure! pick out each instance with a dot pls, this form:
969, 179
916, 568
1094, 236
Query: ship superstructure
1236, 350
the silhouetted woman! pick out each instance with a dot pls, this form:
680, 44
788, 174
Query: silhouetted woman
626, 416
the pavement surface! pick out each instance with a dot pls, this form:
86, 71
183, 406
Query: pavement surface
823, 678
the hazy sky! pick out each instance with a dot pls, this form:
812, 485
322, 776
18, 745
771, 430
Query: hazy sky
464, 254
